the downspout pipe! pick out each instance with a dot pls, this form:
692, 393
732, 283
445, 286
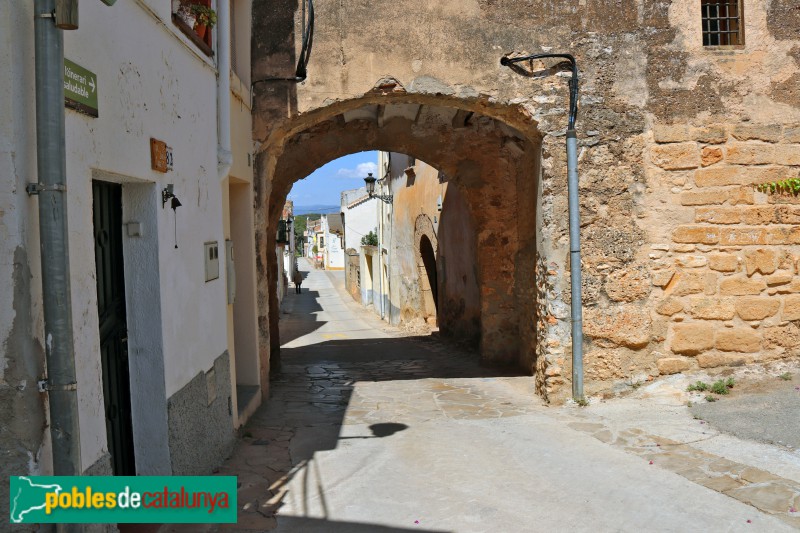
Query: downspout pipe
569, 65
61, 383
380, 254
224, 155
575, 266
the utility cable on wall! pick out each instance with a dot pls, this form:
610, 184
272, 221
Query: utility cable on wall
569, 65
301, 72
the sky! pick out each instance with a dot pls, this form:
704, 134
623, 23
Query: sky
324, 185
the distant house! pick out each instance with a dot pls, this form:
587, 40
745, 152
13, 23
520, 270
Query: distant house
333, 235
315, 241
285, 248
359, 217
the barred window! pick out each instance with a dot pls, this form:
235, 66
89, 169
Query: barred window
723, 24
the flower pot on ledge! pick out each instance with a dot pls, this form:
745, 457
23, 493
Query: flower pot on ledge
200, 30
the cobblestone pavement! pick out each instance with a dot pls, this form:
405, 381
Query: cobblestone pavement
369, 430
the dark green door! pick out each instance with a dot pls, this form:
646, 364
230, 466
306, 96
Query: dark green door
107, 204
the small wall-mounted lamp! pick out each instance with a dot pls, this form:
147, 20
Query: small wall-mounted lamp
167, 193
370, 182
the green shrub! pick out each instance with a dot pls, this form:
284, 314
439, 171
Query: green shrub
699, 387
720, 387
370, 239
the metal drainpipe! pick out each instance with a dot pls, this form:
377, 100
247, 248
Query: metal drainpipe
51, 163
575, 265
570, 65
224, 155
380, 251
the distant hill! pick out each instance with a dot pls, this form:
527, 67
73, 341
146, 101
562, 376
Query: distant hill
316, 209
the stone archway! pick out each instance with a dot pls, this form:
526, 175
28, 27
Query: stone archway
426, 248
489, 152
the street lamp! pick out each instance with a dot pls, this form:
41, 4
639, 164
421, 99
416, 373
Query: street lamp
370, 182
569, 65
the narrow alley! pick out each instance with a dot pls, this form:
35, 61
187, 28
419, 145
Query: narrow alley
549, 255
368, 430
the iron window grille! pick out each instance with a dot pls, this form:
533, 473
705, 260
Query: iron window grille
723, 24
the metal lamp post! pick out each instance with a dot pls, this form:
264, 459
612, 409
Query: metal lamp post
370, 182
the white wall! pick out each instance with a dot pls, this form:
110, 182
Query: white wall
140, 203
18, 214
360, 217
152, 82
281, 272
334, 253
19, 256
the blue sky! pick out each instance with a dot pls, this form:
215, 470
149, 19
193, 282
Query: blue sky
323, 186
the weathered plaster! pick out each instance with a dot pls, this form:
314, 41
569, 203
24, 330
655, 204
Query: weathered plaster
642, 68
201, 432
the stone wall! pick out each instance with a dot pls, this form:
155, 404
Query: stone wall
726, 279
352, 273
459, 313
671, 135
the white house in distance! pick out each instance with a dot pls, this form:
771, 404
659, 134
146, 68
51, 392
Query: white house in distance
315, 242
285, 249
160, 239
360, 217
332, 230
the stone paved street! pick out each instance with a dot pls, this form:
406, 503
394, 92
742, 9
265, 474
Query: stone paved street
367, 430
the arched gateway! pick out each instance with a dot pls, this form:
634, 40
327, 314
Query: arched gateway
489, 152
672, 134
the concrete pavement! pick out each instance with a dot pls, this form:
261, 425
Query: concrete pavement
367, 430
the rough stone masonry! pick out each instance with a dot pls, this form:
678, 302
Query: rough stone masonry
685, 264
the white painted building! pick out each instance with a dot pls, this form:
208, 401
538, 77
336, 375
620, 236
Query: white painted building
314, 234
359, 215
285, 249
184, 281
332, 231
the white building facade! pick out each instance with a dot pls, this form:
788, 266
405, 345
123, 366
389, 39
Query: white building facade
162, 392
360, 218
333, 254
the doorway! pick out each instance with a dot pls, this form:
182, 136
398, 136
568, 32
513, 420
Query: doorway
113, 327
429, 263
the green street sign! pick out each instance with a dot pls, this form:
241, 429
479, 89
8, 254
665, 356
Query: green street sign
80, 88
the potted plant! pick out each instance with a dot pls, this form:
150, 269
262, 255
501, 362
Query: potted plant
206, 19
185, 14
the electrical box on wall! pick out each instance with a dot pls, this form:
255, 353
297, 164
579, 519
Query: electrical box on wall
230, 271
212, 260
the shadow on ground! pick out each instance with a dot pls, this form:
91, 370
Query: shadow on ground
300, 328
305, 413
